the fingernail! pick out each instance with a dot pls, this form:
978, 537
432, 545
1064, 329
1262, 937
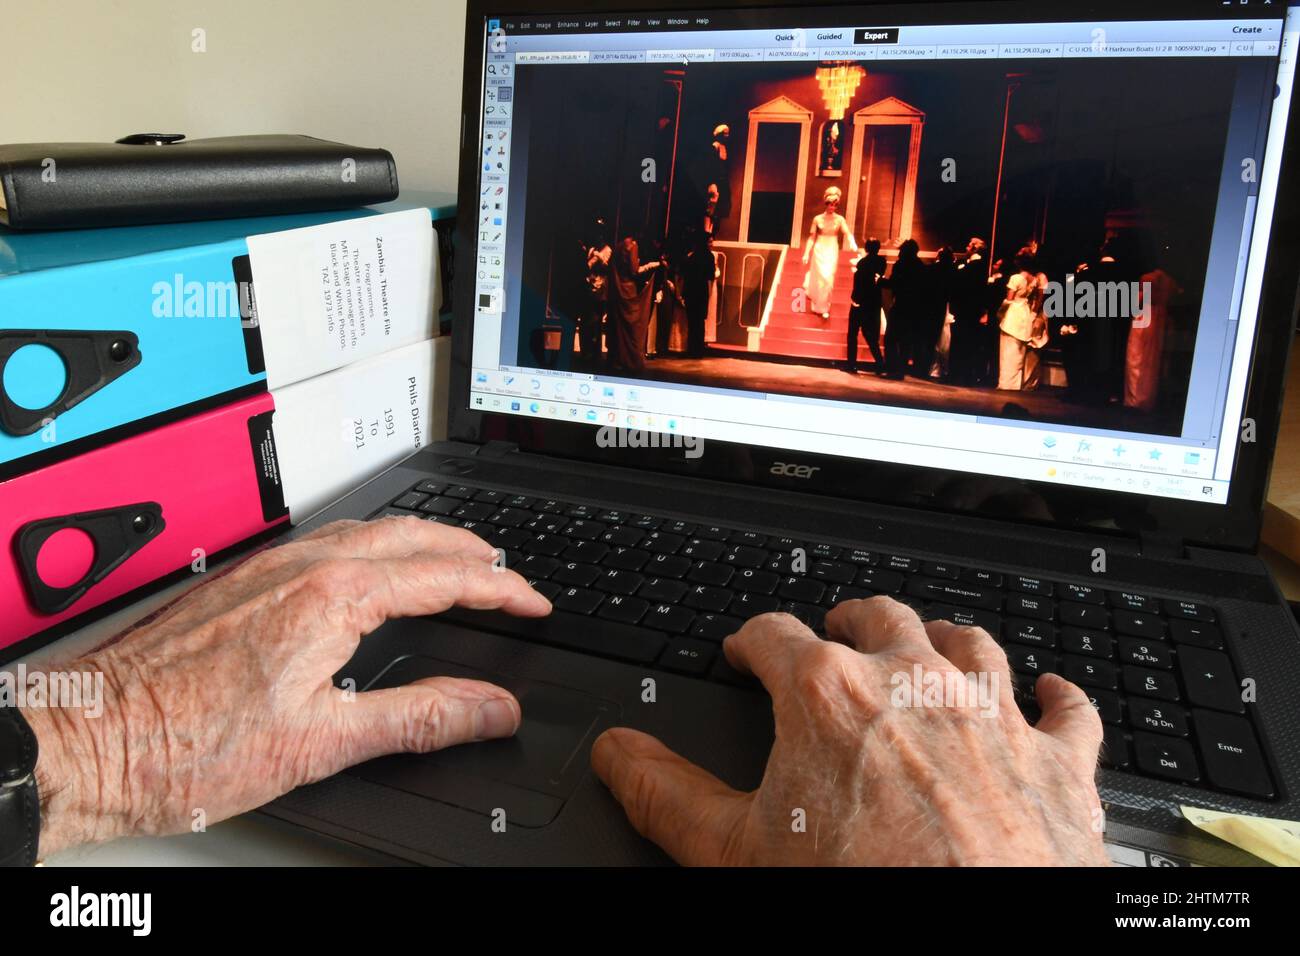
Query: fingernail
495, 718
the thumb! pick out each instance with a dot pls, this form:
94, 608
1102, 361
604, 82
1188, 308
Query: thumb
689, 812
1069, 717
424, 716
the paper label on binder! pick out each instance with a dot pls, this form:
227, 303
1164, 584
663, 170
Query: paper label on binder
334, 432
337, 293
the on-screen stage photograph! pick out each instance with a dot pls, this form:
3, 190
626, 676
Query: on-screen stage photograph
1000, 239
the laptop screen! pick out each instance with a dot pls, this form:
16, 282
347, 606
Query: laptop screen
1029, 250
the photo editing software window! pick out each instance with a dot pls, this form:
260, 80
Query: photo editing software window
1031, 250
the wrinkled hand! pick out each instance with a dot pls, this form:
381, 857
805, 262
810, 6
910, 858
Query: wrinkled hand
224, 700
856, 778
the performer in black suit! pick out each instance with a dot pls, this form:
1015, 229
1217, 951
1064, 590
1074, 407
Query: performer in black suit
718, 173
864, 315
1093, 346
930, 329
907, 283
631, 298
1117, 271
968, 297
591, 321
699, 270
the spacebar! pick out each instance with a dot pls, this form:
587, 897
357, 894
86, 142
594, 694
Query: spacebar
573, 631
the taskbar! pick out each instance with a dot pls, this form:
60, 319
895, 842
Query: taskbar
641, 428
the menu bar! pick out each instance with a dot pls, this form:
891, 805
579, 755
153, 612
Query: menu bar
920, 15
1020, 40
991, 51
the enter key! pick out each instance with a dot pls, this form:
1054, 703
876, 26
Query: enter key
1231, 754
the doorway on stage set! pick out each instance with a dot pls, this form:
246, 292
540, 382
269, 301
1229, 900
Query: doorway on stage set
1039, 230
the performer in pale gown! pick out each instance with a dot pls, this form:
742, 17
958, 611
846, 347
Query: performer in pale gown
1023, 325
1146, 340
828, 234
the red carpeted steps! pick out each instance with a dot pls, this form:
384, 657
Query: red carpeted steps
807, 334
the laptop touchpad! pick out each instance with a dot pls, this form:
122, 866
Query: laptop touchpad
528, 776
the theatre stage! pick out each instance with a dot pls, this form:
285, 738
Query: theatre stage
1043, 404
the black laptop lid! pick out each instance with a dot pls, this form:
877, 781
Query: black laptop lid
1083, 261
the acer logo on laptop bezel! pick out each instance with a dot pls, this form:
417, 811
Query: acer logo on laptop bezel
792, 469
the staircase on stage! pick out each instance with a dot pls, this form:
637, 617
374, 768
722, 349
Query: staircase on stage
807, 334
780, 329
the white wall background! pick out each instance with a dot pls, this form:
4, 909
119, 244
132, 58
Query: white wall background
365, 72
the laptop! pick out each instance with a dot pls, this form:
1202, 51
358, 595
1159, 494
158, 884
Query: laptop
985, 306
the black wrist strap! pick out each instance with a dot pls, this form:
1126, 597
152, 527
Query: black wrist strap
20, 804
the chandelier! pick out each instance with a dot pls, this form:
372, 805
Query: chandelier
839, 81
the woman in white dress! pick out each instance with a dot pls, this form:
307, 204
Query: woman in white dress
828, 234
1023, 325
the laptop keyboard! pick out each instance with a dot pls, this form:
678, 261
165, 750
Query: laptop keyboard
664, 593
